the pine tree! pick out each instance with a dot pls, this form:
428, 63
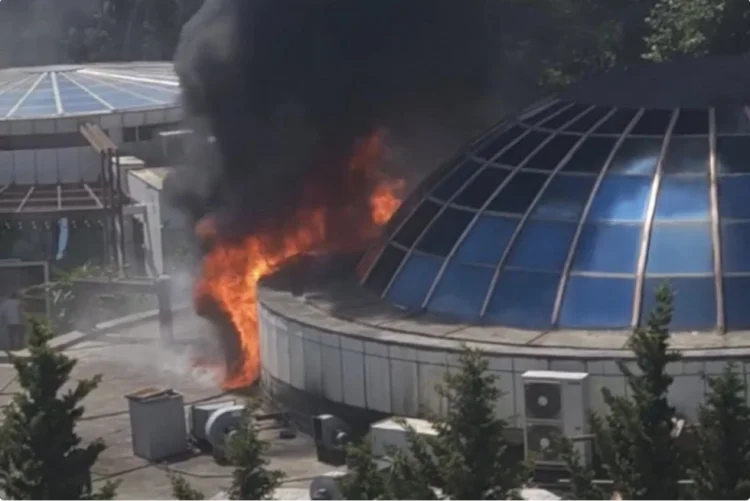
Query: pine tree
251, 478
363, 480
470, 458
721, 466
41, 455
181, 488
582, 477
635, 440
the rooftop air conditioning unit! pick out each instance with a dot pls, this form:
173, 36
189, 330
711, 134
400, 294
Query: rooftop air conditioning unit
555, 405
331, 435
392, 433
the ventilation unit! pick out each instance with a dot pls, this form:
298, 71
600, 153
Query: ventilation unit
331, 435
199, 416
392, 433
555, 404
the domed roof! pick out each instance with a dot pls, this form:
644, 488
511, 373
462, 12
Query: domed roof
570, 214
54, 91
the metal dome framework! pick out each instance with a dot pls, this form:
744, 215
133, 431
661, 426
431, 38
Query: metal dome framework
59, 91
570, 215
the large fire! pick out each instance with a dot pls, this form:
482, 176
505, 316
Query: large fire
230, 271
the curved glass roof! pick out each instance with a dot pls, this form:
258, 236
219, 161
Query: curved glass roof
66, 90
570, 215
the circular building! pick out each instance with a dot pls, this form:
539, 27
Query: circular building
541, 244
67, 134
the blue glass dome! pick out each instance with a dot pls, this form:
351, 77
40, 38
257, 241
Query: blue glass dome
569, 215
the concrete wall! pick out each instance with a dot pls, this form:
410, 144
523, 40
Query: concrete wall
77, 164
390, 377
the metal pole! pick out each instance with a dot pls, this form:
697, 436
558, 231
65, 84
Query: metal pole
164, 299
120, 215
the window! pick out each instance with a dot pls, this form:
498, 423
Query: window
417, 222
383, 271
481, 188
564, 198
486, 240
443, 234
43, 141
587, 121
550, 155
735, 243
694, 302
542, 245
517, 195
608, 248
517, 153
736, 310
733, 154
733, 203
494, 144
543, 113
618, 122
564, 117
414, 280
731, 120
682, 199
621, 198
637, 155
591, 156
597, 303
453, 182
686, 155
691, 121
462, 290
680, 248
652, 123
523, 299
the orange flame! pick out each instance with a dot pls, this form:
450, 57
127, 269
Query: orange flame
230, 272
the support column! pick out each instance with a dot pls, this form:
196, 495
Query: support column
164, 298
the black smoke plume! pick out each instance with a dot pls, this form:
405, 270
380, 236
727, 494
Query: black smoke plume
286, 88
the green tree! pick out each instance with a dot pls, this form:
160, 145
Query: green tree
181, 488
582, 477
721, 466
682, 27
636, 439
41, 455
251, 478
364, 478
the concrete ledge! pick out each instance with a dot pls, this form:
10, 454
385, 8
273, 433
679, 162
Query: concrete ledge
69, 339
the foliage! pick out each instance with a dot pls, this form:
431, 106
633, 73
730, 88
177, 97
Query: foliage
41, 457
582, 477
182, 490
635, 440
468, 458
721, 466
251, 478
680, 27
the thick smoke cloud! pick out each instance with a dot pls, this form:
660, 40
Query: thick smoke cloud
287, 88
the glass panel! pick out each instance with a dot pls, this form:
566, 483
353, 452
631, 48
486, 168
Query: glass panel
691, 122
597, 303
732, 120
584, 123
523, 299
694, 302
543, 113
552, 153
653, 123
608, 248
618, 122
517, 195
414, 280
445, 232
637, 155
735, 247
542, 245
682, 199
733, 197
417, 222
564, 198
591, 155
564, 117
386, 266
517, 153
486, 241
733, 154
492, 146
680, 248
453, 182
481, 188
621, 198
462, 290
686, 155
737, 302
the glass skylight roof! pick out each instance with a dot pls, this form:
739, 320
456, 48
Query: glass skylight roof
61, 91
570, 215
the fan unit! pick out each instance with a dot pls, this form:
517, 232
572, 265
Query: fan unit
331, 435
555, 404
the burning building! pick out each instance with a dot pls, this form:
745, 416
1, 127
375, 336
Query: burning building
539, 243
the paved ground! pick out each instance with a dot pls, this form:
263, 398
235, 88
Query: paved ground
133, 359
